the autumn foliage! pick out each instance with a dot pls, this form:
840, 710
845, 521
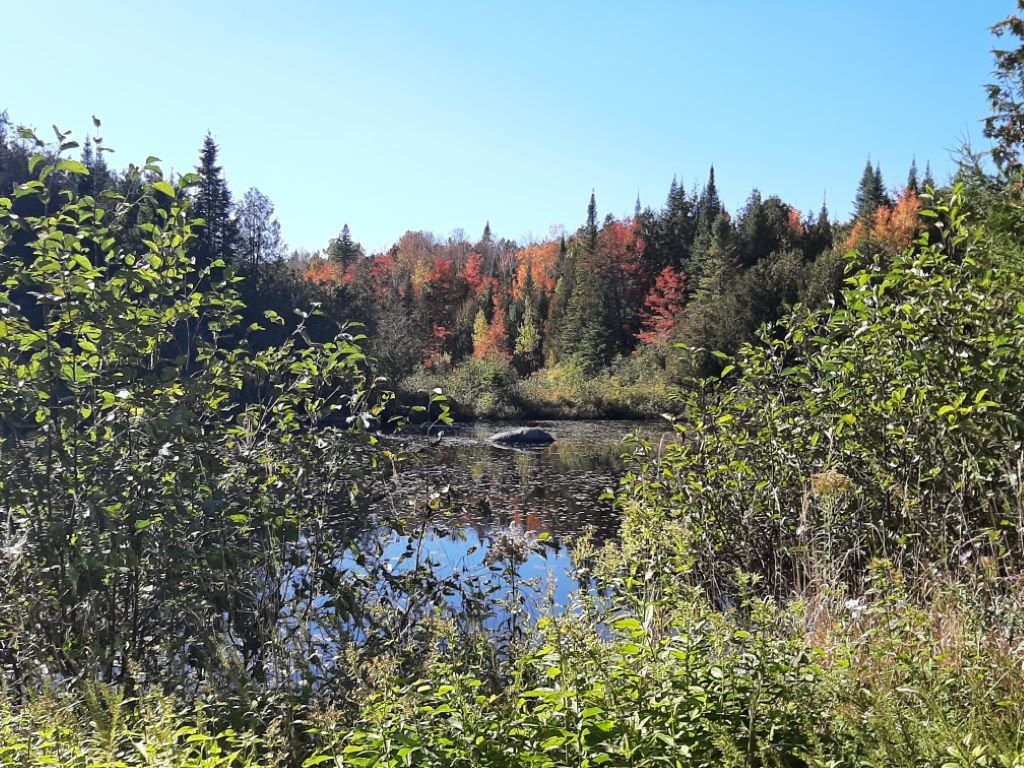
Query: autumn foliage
892, 228
663, 306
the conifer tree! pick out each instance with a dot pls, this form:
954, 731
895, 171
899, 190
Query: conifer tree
870, 193
217, 236
912, 184
98, 178
591, 229
709, 205
819, 236
929, 182
343, 249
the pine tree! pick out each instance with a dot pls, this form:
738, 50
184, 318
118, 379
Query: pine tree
591, 228
343, 249
819, 236
673, 230
929, 182
879, 187
709, 206
98, 179
217, 236
912, 185
870, 193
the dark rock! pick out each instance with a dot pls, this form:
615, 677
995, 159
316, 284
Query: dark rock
523, 436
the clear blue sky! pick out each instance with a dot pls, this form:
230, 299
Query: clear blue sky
396, 115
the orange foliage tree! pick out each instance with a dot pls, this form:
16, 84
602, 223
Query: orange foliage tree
893, 227
324, 273
539, 263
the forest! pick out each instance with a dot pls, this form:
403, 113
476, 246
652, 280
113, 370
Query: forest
821, 568
583, 324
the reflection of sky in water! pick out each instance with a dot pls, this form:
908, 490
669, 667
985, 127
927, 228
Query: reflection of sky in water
500, 491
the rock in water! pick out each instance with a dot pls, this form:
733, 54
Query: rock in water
523, 436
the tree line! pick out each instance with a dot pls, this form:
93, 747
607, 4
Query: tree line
616, 288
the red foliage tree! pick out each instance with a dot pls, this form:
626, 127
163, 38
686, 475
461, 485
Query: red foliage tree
663, 306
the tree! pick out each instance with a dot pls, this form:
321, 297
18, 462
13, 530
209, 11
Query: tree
662, 306
912, 184
259, 232
1005, 126
343, 249
98, 179
212, 203
591, 227
709, 205
528, 339
870, 193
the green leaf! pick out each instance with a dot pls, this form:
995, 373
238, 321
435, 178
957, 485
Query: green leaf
317, 760
165, 188
73, 166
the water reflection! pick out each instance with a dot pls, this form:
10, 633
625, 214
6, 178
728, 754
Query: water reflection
505, 495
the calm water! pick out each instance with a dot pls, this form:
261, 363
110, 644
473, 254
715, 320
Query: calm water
507, 497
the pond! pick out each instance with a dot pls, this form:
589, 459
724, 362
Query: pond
509, 497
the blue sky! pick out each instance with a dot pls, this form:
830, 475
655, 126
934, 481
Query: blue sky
411, 115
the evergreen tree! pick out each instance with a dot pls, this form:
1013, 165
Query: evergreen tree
218, 235
709, 205
343, 249
870, 193
819, 236
912, 185
591, 227
879, 187
98, 179
673, 231
761, 227
929, 182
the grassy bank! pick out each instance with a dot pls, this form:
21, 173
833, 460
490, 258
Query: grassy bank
492, 389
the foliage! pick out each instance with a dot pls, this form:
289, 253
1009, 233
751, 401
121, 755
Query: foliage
164, 486
1005, 125
908, 395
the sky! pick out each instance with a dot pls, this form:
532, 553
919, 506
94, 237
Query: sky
392, 115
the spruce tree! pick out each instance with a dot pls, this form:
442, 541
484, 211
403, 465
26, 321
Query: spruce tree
870, 193
591, 227
343, 249
879, 187
212, 203
709, 206
912, 185
98, 179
